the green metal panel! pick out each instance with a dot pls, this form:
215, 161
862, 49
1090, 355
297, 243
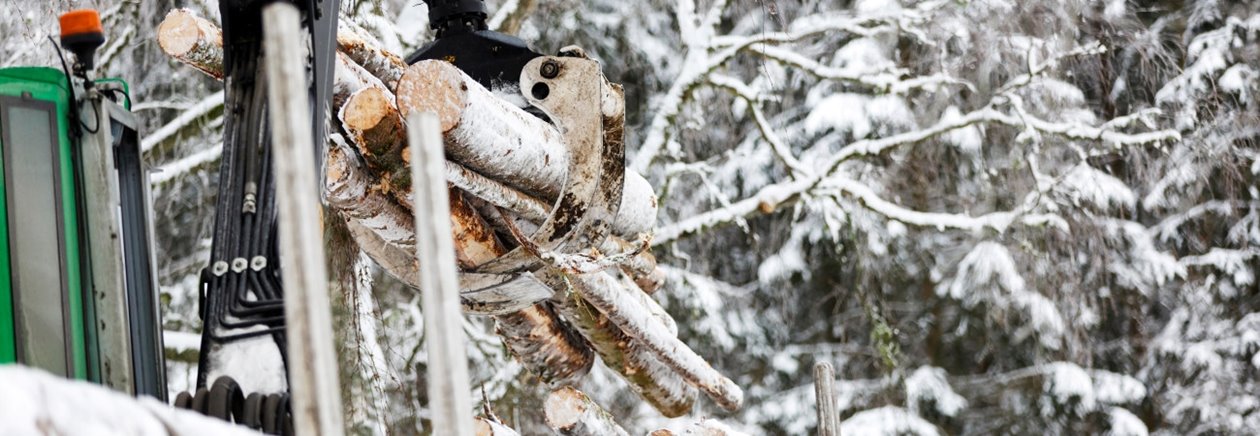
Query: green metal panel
50, 85
8, 345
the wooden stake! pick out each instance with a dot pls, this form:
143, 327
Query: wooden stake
316, 397
450, 404
824, 391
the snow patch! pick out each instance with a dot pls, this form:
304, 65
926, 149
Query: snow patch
1114, 388
928, 384
887, 420
35, 403
1086, 184
1068, 383
968, 139
1125, 423
843, 112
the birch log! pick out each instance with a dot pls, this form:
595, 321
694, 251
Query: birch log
542, 342
198, 43
503, 142
536, 336
656, 383
381, 63
571, 413
371, 213
193, 40
703, 427
629, 313
478, 126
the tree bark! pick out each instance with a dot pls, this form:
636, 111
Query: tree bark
571, 413
386, 66
640, 323
656, 383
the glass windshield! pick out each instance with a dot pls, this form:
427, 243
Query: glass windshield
34, 236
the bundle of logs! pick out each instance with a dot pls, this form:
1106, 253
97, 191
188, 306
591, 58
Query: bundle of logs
507, 171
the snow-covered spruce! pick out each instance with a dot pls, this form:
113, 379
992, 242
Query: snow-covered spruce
571, 413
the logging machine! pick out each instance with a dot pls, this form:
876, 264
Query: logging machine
77, 288
241, 289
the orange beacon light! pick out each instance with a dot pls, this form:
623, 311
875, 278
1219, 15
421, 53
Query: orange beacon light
81, 33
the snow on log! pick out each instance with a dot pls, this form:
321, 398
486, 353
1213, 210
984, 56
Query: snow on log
381, 63
37, 403
656, 383
571, 413
499, 140
487, 427
193, 40
640, 322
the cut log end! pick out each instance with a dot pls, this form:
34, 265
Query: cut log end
193, 40
570, 412
433, 86
564, 408
182, 31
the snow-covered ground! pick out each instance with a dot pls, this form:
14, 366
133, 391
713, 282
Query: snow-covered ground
33, 402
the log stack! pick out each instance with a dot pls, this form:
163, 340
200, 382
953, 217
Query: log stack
505, 168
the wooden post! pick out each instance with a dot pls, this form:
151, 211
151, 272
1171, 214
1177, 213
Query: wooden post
824, 390
450, 404
316, 399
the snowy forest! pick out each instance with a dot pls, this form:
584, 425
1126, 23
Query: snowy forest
991, 216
